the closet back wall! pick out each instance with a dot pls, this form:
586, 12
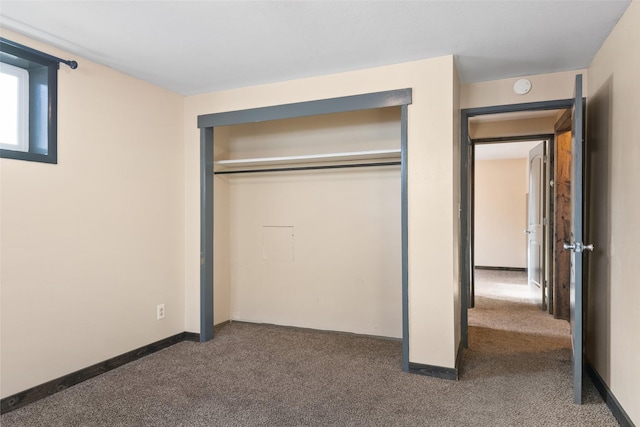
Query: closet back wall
321, 248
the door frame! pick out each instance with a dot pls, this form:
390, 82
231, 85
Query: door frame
549, 140
466, 203
544, 222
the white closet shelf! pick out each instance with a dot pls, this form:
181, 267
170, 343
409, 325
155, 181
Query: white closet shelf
312, 158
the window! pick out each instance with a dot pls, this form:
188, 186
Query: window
28, 106
14, 108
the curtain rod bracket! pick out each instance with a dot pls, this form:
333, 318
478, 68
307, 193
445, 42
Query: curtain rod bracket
72, 64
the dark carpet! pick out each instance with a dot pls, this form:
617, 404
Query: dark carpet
517, 372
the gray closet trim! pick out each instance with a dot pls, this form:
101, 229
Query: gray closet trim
206, 234
405, 237
368, 101
207, 122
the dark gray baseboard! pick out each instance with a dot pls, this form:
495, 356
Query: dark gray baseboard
191, 336
433, 371
439, 371
485, 267
41, 391
459, 359
616, 409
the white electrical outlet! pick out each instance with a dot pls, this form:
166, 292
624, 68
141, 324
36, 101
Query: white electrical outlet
160, 312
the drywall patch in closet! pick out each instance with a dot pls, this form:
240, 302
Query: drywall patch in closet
277, 243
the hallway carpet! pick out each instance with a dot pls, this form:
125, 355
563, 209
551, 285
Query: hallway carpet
516, 372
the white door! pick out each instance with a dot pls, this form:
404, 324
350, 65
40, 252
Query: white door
535, 223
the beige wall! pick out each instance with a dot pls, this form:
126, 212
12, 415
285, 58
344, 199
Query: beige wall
500, 213
222, 232
508, 128
613, 332
432, 217
316, 249
91, 245
544, 87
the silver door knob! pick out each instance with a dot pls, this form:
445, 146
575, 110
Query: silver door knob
527, 232
578, 247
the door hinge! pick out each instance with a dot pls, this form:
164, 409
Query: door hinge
544, 159
544, 221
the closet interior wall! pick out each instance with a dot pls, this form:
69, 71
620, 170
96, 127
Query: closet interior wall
318, 249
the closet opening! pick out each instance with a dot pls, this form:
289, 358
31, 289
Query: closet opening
304, 216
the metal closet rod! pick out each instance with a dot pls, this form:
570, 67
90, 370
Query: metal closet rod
305, 168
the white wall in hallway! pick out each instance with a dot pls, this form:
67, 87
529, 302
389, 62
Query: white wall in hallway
501, 213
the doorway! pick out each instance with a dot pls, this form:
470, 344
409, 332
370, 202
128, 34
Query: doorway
575, 244
511, 209
495, 113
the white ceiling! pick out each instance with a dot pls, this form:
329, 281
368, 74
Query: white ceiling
193, 47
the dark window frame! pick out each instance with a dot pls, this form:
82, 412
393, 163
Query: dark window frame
43, 110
